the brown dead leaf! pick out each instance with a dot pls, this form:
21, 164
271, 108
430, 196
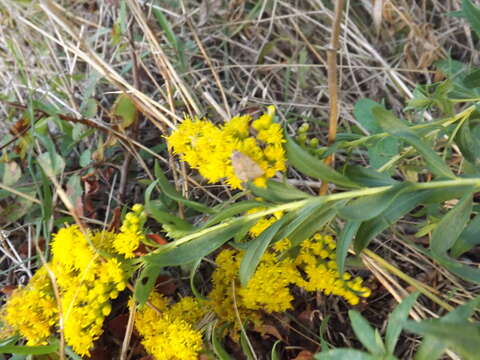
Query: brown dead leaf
166, 285
304, 355
117, 326
116, 220
271, 330
100, 353
8, 289
159, 239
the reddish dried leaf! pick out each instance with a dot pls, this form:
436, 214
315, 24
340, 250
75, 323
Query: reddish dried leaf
8, 289
100, 353
116, 220
166, 285
304, 355
159, 239
20, 127
117, 326
23, 250
271, 330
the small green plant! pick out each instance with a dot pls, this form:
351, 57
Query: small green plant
453, 331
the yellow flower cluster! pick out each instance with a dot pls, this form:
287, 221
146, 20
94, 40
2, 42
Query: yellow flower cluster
313, 269
224, 298
32, 310
317, 261
131, 232
86, 282
167, 331
264, 222
209, 148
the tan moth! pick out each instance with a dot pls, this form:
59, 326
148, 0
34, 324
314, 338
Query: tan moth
244, 167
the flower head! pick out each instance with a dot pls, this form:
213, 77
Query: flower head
209, 148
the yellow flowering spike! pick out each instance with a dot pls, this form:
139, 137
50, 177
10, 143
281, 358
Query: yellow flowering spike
209, 148
268, 289
131, 232
316, 260
167, 333
32, 311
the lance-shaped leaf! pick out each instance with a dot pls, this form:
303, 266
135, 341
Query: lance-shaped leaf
368, 207
396, 321
402, 205
432, 347
463, 338
469, 238
256, 249
395, 127
184, 251
309, 165
368, 176
232, 210
278, 192
170, 191
472, 14
343, 242
452, 224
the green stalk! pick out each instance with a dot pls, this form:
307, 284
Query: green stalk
295, 205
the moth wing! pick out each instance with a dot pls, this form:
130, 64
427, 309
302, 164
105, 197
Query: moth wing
244, 167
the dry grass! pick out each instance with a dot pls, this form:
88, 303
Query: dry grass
222, 58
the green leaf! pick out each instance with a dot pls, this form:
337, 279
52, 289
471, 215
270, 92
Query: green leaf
124, 108
469, 238
217, 345
88, 108
12, 173
256, 249
184, 251
29, 350
166, 26
368, 176
246, 349
278, 192
364, 115
51, 163
74, 191
145, 283
463, 338
170, 191
344, 354
451, 226
193, 272
309, 165
469, 145
397, 320
368, 207
382, 150
398, 128
402, 205
365, 333
307, 222
343, 242
472, 14
432, 348
154, 209
463, 271
472, 80
232, 210
274, 353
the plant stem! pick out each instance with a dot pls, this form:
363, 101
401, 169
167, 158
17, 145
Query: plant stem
295, 205
333, 84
